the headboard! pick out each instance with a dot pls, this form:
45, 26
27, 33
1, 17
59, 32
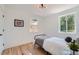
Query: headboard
40, 35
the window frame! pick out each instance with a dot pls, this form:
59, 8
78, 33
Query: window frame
66, 23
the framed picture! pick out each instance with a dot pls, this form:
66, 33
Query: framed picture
18, 23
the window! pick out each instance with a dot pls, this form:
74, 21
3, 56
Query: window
67, 23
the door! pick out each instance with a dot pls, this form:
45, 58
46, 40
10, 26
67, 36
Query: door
1, 44
1, 31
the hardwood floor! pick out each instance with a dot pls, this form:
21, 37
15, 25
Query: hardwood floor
26, 49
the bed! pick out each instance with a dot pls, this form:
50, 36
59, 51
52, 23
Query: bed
56, 46
39, 39
53, 45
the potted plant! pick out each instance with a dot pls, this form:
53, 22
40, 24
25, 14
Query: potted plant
74, 47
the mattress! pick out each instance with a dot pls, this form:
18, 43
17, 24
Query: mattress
56, 46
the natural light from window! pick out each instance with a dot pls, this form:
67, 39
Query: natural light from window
67, 23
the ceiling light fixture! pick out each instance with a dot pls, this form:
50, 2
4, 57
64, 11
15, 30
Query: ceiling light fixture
40, 5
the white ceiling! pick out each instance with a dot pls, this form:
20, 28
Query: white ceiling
51, 8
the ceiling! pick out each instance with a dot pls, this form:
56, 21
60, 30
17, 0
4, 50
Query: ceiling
51, 8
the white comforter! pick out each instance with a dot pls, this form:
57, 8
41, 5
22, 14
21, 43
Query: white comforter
56, 46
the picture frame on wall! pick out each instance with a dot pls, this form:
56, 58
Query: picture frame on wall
18, 23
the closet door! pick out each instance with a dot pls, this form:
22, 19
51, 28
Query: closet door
1, 31
1, 44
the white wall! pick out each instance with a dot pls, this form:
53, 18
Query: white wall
17, 35
50, 25
1, 30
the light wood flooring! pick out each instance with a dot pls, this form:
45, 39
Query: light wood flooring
26, 49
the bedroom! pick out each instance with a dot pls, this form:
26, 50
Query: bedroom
46, 21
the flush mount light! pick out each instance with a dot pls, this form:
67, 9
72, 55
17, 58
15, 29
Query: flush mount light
40, 5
